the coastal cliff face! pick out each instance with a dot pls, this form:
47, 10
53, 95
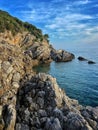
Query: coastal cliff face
24, 38
30, 101
8, 37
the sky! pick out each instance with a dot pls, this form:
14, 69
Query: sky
65, 21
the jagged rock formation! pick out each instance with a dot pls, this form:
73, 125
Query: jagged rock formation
11, 66
61, 55
42, 105
41, 52
14, 64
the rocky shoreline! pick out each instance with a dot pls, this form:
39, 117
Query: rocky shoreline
35, 101
16, 65
30, 101
41, 104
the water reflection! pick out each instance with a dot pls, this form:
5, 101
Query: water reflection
42, 68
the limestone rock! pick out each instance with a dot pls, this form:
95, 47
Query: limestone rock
16, 77
40, 52
50, 109
61, 56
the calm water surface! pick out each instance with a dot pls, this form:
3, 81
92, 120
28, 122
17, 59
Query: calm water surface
78, 78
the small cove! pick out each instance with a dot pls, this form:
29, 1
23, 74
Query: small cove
78, 78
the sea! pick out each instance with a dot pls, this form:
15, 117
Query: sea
78, 78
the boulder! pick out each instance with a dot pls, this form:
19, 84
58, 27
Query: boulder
82, 58
91, 62
61, 56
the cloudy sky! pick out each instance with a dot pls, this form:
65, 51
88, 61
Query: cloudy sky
66, 21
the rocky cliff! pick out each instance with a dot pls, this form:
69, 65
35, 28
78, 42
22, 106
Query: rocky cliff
40, 104
30, 101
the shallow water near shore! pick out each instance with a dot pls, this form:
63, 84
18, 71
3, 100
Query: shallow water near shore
78, 78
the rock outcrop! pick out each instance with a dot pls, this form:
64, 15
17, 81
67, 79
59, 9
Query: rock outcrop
35, 102
61, 55
42, 105
40, 52
91, 62
11, 67
80, 58
45, 53
14, 64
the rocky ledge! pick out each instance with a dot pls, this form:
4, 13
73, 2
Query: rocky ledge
45, 54
42, 105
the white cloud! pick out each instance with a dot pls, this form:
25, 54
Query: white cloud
96, 5
91, 30
69, 23
90, 38
62, 21
56, 1
82, 2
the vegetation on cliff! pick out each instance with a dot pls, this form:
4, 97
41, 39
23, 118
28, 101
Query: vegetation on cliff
13, 24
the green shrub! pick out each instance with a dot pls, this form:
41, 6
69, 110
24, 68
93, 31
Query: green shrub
13, 24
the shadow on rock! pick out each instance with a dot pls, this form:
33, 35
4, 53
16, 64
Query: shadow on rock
42, 105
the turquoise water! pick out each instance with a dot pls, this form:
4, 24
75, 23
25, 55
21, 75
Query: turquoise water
78, 78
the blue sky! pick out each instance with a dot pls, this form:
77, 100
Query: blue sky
66, 21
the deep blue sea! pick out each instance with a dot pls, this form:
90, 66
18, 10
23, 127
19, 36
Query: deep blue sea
78, 78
